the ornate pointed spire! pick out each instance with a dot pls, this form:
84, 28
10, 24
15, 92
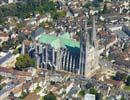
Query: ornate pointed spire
86, 34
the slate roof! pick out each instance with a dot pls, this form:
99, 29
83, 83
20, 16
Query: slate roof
38, 32
122, 35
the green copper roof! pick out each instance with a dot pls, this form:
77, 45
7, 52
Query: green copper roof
57, 44
62, 41
45, 38
65, 35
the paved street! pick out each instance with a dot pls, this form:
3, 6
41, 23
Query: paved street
5, 58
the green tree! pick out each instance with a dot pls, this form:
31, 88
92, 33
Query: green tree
1, 87
47, 23
16, 51
90, 21
38, 88
99, 96
20, 25
62, 13
88, 5
11, 95
25, 9
78, 33
2, 21
1, 77
54, 15
50, 96
24, 61
96, 4
122, 98
82, 93
89, 85
42, 98
128, 81
23, 95
52, 82
94, 91
100, 0
119, 76
105, 9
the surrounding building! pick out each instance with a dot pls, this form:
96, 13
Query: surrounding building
89, 97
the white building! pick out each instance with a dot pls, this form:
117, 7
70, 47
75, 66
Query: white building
10, 1
89, 97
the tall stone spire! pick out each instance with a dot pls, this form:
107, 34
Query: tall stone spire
86, 34
94, 33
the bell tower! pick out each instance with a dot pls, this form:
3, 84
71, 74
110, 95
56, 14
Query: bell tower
84, 45
88, 62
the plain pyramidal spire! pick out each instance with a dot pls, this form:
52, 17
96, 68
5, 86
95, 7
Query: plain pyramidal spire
94, 32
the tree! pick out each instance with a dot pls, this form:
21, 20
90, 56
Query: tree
1, 77
52, 82
42, 98
24, 9
24, 61
122, 98
38, 88
128, 81
99, 96
90, 21
11, 95
78, 33
47, 23
20, 25
105, 9
62, 13
94, 91
1, 87
87, 5
89, 85
2, 21
50, 96
124, 11
96, 4
100, 0
16, 51
54, 15
119, 76
82, 93
23, 95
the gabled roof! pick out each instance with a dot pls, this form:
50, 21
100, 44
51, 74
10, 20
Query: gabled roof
58, 44
40, 30
65, 35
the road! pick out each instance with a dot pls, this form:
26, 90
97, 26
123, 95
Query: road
6, 57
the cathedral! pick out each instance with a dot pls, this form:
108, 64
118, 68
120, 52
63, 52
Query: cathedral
64, 53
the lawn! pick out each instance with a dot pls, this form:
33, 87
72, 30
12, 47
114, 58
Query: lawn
127, 88
37, 89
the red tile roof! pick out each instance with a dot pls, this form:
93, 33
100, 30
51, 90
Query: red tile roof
14, 72
112, 82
